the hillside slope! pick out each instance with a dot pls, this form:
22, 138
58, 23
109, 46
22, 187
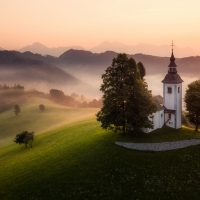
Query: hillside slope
81, 161
32, 119
82, 62
18, 68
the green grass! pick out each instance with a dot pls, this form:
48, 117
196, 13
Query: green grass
81, 161
32, 119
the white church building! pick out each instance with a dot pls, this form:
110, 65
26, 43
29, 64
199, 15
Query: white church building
169, 113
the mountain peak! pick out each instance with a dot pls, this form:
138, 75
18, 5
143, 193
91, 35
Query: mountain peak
38, 44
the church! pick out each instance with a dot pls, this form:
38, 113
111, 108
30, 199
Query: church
169, 113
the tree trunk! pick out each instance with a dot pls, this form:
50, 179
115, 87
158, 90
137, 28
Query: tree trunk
124, 129
197, 123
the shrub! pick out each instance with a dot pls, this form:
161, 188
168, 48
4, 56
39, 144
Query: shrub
41, 107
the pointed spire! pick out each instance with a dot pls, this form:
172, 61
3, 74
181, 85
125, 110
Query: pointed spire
172, 77
172, 56
172, 59
172, 65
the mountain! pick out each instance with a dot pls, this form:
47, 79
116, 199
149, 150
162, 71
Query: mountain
81, 57
149, 49
113, 46
80, 71
88, 61
1, 49
16, 68
161, 50
43, 50
80, 62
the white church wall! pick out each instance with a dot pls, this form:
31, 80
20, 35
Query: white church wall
158, 121
179, 106
173, 101
169, 97
171, 122
162, 118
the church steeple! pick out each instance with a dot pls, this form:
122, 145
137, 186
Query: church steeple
172, 66
172, 75
172, 95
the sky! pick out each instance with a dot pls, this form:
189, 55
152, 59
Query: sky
88, 23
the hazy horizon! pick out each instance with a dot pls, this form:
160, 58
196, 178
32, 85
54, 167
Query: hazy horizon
89, 23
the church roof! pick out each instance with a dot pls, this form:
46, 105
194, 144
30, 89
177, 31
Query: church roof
172, 77
170, 111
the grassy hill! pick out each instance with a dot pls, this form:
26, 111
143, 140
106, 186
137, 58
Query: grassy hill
81, 161
32, 119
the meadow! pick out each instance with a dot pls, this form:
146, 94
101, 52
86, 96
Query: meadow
76, 159
32, 119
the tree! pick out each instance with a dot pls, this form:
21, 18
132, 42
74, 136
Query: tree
141, 69
17, 109
56, 94
192, 103
41, 107
25, 137
127, 102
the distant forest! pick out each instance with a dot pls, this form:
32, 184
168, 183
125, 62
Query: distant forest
12, 95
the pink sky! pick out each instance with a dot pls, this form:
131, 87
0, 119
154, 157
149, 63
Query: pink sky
87, 23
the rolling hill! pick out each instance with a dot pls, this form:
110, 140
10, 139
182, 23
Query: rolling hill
32, 119
80, 71
81, 161
97, 62
18, 68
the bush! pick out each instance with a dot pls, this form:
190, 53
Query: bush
41, 107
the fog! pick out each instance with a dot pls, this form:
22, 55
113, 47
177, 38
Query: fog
155, 84
153, 81
89, 86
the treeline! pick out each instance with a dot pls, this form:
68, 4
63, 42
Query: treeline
16, 87
12, 95
73, 100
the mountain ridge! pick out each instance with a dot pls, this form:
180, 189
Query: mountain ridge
88, 67
44, 50
150, 49
17, 68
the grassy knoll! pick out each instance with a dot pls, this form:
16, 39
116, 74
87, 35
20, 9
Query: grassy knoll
81, 161
32, 119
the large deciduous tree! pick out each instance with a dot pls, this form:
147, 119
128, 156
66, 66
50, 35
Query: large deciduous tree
192, 102
127, 102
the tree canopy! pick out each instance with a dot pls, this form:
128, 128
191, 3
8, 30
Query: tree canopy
24, 137
127, 102
192, 103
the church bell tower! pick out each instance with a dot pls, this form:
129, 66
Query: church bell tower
172, 95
